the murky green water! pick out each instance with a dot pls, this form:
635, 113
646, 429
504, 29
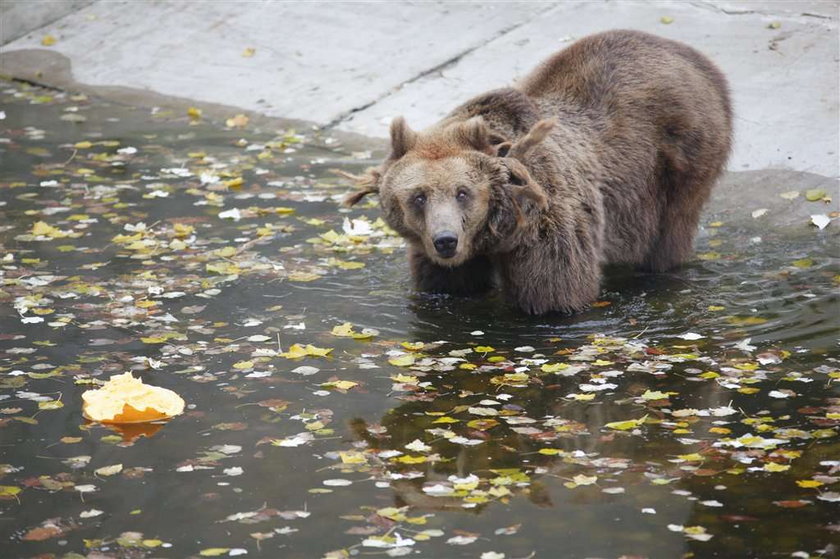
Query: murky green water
690, 413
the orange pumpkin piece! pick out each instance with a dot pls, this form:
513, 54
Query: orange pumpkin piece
125, 399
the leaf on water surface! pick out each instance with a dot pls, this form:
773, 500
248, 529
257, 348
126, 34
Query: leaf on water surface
626, 425
43, 229
345, 330
402, 361
815, 194
214, 551
9, 491
296, 351
50, 405
109, 470
340, 384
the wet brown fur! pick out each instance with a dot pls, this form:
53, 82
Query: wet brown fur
605, 153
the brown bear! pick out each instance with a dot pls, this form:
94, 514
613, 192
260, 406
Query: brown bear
605, 154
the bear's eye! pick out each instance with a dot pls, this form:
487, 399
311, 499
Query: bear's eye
419, 200
462, 195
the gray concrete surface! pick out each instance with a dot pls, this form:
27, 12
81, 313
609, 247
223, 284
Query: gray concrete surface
353, 66
19, 17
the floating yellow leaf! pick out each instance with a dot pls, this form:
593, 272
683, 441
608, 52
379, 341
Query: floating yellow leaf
297, 351
7, 491
484, 349
554, 367
43, 229
240, 365
223, 268
693, 457
409, 459
153, 340
48, 40
626, 425
551, 451
248, 52
345, 330
666, 20
803, 262
194, 113
413, 346
50, 405
774, 467
808, 483
340, 384
214, 551
352, 457
482, 424
814, 194
182, 230
402, 361
392, 513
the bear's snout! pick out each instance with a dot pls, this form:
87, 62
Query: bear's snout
445, 244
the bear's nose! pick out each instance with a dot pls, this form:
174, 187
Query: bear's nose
446, 243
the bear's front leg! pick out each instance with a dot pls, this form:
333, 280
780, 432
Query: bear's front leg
551, 277
473, 277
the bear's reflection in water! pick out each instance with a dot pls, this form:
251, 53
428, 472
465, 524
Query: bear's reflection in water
529, 435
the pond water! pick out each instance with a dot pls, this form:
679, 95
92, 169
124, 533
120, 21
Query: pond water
693, 413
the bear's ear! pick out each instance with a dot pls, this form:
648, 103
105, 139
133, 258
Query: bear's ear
475, 134
503, 149
369, 183
526, 187
532, 139
403, 138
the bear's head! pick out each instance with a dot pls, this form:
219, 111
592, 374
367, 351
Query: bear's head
458, 189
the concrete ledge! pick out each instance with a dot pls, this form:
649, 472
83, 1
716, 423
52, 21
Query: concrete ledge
352, 67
